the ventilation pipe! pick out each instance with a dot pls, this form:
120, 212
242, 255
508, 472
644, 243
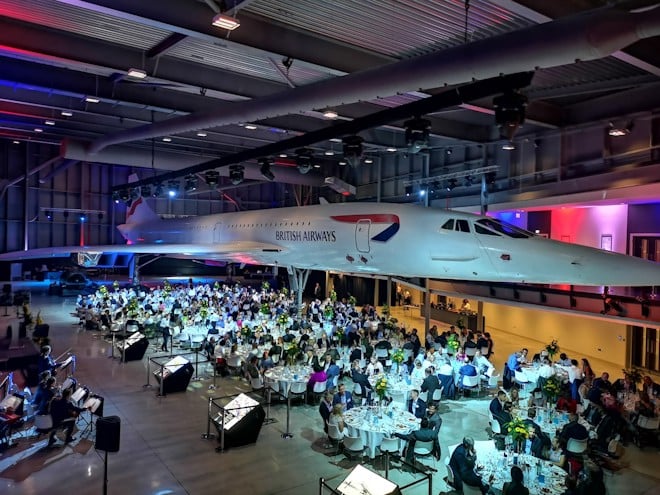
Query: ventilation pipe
586, 36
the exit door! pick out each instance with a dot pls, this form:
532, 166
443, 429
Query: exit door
217, 233
362, 235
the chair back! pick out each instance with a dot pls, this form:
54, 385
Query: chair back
424, 396
298, 388
390, 445
407, 353
646, 423
357, 389
334, 433
423, 448
234, 361
484, 350
493, 381
275, 358
437, 394
335, 381
496, 427
382, 353
257, 383
353, 444
43, 422
450, 473
320, 387
576, 446
470, 351
471, 381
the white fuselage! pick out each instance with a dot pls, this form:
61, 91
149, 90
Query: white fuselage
393, 239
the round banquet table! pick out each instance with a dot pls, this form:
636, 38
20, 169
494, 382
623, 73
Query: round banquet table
286, 375
364, 421
397, 387
494, 467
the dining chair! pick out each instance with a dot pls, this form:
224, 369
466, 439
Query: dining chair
470, 351
389, 445
257, 383
335, 436
495, 427
298, 389
424, 449
576, 446
450, 473
353, 446
319, 388
471, 383
521, 379
437, 395
470, 490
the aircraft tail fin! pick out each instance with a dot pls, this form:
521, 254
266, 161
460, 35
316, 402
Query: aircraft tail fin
139, 211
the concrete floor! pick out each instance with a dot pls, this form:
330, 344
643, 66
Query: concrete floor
162, 451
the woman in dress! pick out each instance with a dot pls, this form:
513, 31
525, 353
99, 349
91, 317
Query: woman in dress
337, 419
587, 372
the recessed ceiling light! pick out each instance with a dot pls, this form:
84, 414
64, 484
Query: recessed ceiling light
329, 153
251, 127
49, 122
137, 73
167, 139
92, 99
330, 114
283, 155
391, 149
66, 113
368, 160
202, 134
38, 129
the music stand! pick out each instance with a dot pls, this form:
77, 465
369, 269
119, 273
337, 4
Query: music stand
94, 404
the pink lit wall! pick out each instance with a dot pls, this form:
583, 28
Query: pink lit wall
586, 225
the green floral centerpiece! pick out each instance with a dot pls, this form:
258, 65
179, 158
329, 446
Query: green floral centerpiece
551, 388
265, 309
167, 288
115, 285
204, 312
633, 374
453, 343
283, 319
519, 432
552, 348
246, 332
381, 387
352, 300
104, 291
333, 295
292, 353
398, 356
385, 309
132, 307
339, 334
284, 291
265, 286
329, 313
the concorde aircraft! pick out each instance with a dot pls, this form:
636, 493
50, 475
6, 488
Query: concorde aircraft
371, 238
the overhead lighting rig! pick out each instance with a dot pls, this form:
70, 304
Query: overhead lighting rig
417, 134
451, 178
264, 168
190, 183
352, 149
304, 158
510, 112
236, 174
212, 177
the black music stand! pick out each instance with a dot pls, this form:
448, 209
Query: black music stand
93, 403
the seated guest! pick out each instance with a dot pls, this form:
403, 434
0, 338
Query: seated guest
556, 454
356, 353
540, 441
323, 342
603, 383
424, 434
64, 414
375, 367
573, 430
318, 376
462, 463
546, 370
416, 406
311, 359
325, 408
337, 418
331, 369
383, 344
644, 406
497, 404
362, 380
343, 397
417, 374
481, 363
514, 397
650, 387
430, 383
564, 360
432, 414
466, 370
44, 394
505, 415
625, 385
252, 368
266, 361
517, 484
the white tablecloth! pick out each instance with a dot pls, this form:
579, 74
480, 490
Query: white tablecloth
364, 421
496, 464
398, 388
286, 375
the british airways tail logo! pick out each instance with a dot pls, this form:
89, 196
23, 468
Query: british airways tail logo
378, 218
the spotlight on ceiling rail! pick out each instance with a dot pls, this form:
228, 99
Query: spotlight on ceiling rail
417, 134
304, 157
172, 188
212, 177
510, 112
451, 184
352, 149
264, 168
145, 190
619, 131
236, 174
158, 190
190, 183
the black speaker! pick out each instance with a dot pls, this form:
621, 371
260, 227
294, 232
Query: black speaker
107, 433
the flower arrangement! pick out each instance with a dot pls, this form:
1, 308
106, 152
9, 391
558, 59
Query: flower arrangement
339, 334
453, 343
633, 374
204, 312
398, 356
460, 322
517, 429
265, 286
552, 348
132, 307
352, 300
265, 309
216, 285
292, 353
283, 319
329, 313
381, 387
104, 291
385, 310
284, 291
246, 332
333, 295
115, 285
551, 388
167, 288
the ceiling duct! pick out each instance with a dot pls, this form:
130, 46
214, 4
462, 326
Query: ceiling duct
585, 36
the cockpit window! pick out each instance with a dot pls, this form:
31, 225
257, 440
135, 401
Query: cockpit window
482, 230
449, 224
462, 226
504, 228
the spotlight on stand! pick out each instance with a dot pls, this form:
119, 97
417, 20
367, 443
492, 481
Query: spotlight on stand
304, 157
236, 174
172, 188
190, 183
264, 168
417, 134
352, 149
212, 177
510, 112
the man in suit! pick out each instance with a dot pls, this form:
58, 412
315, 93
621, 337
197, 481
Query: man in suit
466, 370
462, 463
362, 380
497, 404
430, 383
424, 434
432, 414
540, 441
343, 397
416, 405
573, 430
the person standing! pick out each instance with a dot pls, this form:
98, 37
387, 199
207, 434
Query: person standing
165, 330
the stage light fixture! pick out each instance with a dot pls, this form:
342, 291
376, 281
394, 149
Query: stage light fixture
236, 174
451, 184
145, 190
190, 183
65, 214
136, 73
212, 177
304, 157
510, 112
329, 113
618, 131
417, 134
368, 160
509, 146
158, 190
225, 21
408, 189
264, 168
352, 149
124, 195
422, 192
49, 215
172, 188
83, 218
343, 163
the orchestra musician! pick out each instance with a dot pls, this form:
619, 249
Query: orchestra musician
64, 415
46, 361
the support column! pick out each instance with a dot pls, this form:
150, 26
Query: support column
376, 291
298, 280
480, 316
427, 307
326, 292
133, 269
389, 291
